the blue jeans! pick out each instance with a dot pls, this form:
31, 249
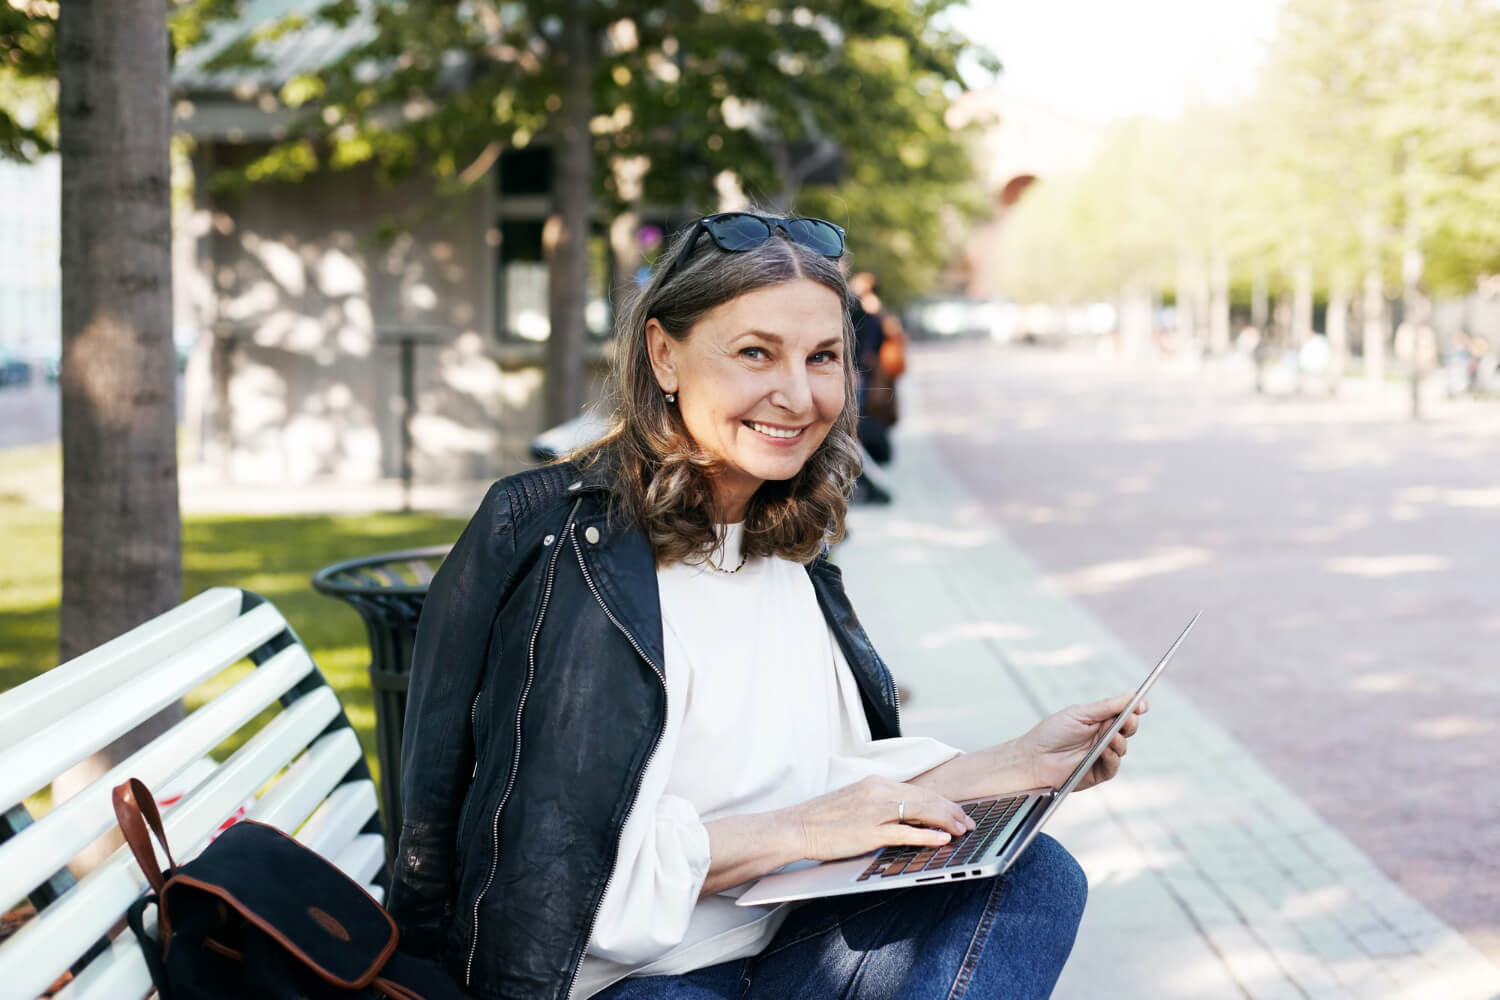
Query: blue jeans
996, 938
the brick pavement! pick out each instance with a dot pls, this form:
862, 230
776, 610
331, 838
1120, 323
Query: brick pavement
1209, 877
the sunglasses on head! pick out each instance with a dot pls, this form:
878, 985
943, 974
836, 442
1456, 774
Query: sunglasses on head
737, 232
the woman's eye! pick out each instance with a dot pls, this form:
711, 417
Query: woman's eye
823, 358
755, 353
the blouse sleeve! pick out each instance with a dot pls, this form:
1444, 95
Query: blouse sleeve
899, 759
660, 866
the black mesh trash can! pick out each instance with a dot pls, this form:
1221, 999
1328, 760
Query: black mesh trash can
388, 591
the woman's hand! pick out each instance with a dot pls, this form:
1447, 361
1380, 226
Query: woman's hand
1059, 742
874, 813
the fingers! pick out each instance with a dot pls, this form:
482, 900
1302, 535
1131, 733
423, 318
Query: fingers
896, 803
1103, 710
930, 810
924, 836
1108, 708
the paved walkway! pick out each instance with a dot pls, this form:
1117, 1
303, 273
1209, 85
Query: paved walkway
1209, 877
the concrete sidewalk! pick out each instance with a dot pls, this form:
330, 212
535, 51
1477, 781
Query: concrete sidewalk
1209, 877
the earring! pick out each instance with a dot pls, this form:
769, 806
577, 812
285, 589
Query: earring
671, 397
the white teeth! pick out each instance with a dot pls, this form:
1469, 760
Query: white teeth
775, 432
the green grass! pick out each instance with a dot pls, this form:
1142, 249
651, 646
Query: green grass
273, 556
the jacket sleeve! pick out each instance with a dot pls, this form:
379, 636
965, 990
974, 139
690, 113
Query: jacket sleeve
437, 750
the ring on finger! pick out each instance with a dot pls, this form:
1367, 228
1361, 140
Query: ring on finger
901, 811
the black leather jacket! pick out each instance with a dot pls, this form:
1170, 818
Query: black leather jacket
537, 697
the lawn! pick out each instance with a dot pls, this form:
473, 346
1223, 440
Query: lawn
273, 556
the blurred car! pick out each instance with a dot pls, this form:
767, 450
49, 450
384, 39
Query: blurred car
14, 370
960, 317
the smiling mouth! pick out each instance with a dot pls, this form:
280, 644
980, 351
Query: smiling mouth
772, 431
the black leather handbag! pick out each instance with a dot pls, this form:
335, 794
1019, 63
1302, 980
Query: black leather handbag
257, 914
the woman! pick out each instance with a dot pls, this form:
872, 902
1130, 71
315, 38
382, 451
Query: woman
638, 684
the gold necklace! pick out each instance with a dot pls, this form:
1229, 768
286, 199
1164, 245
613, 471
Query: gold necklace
720, 569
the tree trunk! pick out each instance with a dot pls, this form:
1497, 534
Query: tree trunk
1260, 305
1338, 331
568, 230
1187, 304
1302, 312
1260, 318
1415, 311
1135, 320
121, 528
1373, 328
1218, 312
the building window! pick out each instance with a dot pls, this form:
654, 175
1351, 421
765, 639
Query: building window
526, 172
522, 282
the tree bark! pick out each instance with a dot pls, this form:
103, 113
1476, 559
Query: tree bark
1218, 310
1338, 331
1187, 303
1415, 306
121, 527
1373, 327
568, 230
1302, 312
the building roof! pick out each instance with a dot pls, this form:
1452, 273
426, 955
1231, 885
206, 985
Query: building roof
298, 50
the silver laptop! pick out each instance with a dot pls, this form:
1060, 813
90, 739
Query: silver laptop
1004, 827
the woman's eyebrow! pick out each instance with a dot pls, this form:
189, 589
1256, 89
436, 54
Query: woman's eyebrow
776, 338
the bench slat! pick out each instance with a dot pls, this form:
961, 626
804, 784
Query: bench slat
339, 820
108, 714
363, 859
308, 781
51, 842
118, 973
43, 948
41, 701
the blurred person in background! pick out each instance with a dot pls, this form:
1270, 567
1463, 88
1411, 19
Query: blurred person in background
877, 387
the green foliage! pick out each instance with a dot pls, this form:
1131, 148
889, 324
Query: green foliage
694, 88
28, 66
1374, 129
691, 88
28, 71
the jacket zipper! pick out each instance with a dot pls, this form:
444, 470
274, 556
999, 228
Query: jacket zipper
660, 676
896, 701
474, 730
515, 761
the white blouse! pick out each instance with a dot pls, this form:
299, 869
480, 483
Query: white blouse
762, 713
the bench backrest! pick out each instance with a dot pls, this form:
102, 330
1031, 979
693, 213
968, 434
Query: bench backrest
301, 770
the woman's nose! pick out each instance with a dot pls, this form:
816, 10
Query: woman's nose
793, 392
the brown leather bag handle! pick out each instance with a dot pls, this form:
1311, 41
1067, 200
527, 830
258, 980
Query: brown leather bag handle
135, 810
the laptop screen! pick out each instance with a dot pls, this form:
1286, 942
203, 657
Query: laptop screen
1109, 731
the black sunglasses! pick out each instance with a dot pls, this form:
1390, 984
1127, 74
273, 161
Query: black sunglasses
737, 232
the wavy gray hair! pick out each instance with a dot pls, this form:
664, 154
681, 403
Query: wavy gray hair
663, 478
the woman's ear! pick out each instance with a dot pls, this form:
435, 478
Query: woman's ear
660, 347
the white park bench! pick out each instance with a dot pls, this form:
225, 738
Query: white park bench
302, 771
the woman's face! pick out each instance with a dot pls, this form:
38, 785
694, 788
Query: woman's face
759, 381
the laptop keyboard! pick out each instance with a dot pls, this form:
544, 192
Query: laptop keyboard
990, 818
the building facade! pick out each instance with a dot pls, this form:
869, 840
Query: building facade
30, 253
327, 348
